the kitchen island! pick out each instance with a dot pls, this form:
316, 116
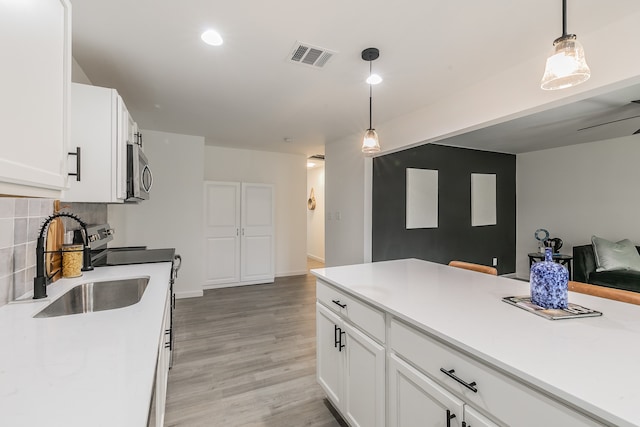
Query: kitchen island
424, 320
88, 369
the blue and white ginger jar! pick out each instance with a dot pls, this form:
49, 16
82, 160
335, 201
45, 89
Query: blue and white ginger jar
549, 283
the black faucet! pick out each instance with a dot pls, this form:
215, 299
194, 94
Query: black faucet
41, 280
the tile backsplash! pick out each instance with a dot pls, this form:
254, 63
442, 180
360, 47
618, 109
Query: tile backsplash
20, 222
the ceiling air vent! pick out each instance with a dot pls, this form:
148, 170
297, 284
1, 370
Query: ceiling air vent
313, 56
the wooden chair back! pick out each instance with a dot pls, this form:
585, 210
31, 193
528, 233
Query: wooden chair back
475, 267
605, 292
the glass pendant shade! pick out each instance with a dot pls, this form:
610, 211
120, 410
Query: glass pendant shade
370, 144
566, 66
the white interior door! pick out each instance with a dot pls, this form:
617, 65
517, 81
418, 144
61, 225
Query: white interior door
222, 232
257, 247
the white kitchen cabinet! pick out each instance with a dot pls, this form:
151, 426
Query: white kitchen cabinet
330, 365
350, 367
99, 127
35, 78
473, 418
501, 397
416, 401
239, 233
157, 411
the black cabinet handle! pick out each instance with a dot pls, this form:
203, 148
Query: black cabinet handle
450, 373
341, 345
336, 336
173, 303
337, 302
450, 416
465, 424
78, 161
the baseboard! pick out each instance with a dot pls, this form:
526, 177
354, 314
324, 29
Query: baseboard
234, 284
292, 273
188, 294
315, 258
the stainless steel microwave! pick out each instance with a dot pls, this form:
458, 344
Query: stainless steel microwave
139, 176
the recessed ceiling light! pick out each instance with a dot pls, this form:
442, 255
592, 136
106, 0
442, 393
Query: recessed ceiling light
374, 79
310, 164
211, 37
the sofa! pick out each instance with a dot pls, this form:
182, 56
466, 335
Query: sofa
584, 270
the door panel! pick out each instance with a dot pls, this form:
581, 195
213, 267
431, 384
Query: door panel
257, 248
222, 232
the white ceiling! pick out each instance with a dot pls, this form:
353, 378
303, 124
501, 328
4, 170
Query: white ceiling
246, 94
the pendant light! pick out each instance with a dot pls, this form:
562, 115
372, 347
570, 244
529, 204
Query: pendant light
370, 143
566, 66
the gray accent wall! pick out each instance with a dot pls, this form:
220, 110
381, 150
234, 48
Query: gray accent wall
454, 238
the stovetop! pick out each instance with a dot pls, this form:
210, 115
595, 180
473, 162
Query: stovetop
124, 256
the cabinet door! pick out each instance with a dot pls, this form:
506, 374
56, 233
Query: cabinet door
35, 41
364, 397
329, 357
222, 232
473, 418
95, 129
257, 247
417, 401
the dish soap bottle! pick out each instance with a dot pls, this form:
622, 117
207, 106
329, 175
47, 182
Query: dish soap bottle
549, 283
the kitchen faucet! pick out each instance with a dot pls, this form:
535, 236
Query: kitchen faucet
41, 280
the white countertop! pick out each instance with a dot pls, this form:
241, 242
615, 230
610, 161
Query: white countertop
90, 369
591, 363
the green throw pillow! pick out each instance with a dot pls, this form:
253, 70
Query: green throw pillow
621, 255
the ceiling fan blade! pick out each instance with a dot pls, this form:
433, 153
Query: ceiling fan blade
607, 123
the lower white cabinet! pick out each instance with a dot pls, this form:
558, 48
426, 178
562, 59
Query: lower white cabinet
351, 370
156, 413
417, 401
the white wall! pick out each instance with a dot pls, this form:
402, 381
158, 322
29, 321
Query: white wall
172, 217
77, 74
288, 173
513, 93
315, 218
577, 191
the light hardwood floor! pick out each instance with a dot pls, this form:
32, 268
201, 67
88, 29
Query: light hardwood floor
246, 356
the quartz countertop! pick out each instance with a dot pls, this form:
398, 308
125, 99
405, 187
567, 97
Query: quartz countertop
590, 363
90, 369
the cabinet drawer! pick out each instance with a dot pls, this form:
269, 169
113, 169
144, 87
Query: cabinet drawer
504, 398
359, 313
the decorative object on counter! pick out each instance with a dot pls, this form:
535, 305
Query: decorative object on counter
42, 279
570, 312
541, 236
311, 203
549, 283
71, 260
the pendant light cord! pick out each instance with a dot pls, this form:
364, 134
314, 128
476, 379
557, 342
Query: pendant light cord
564, 18
370, 97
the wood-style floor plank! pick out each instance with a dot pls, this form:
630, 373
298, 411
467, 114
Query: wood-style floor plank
246, 356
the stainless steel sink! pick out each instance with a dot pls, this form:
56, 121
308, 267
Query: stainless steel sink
97, 296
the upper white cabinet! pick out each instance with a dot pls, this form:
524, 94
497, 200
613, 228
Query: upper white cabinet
35, 41
100, 127
239, 233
